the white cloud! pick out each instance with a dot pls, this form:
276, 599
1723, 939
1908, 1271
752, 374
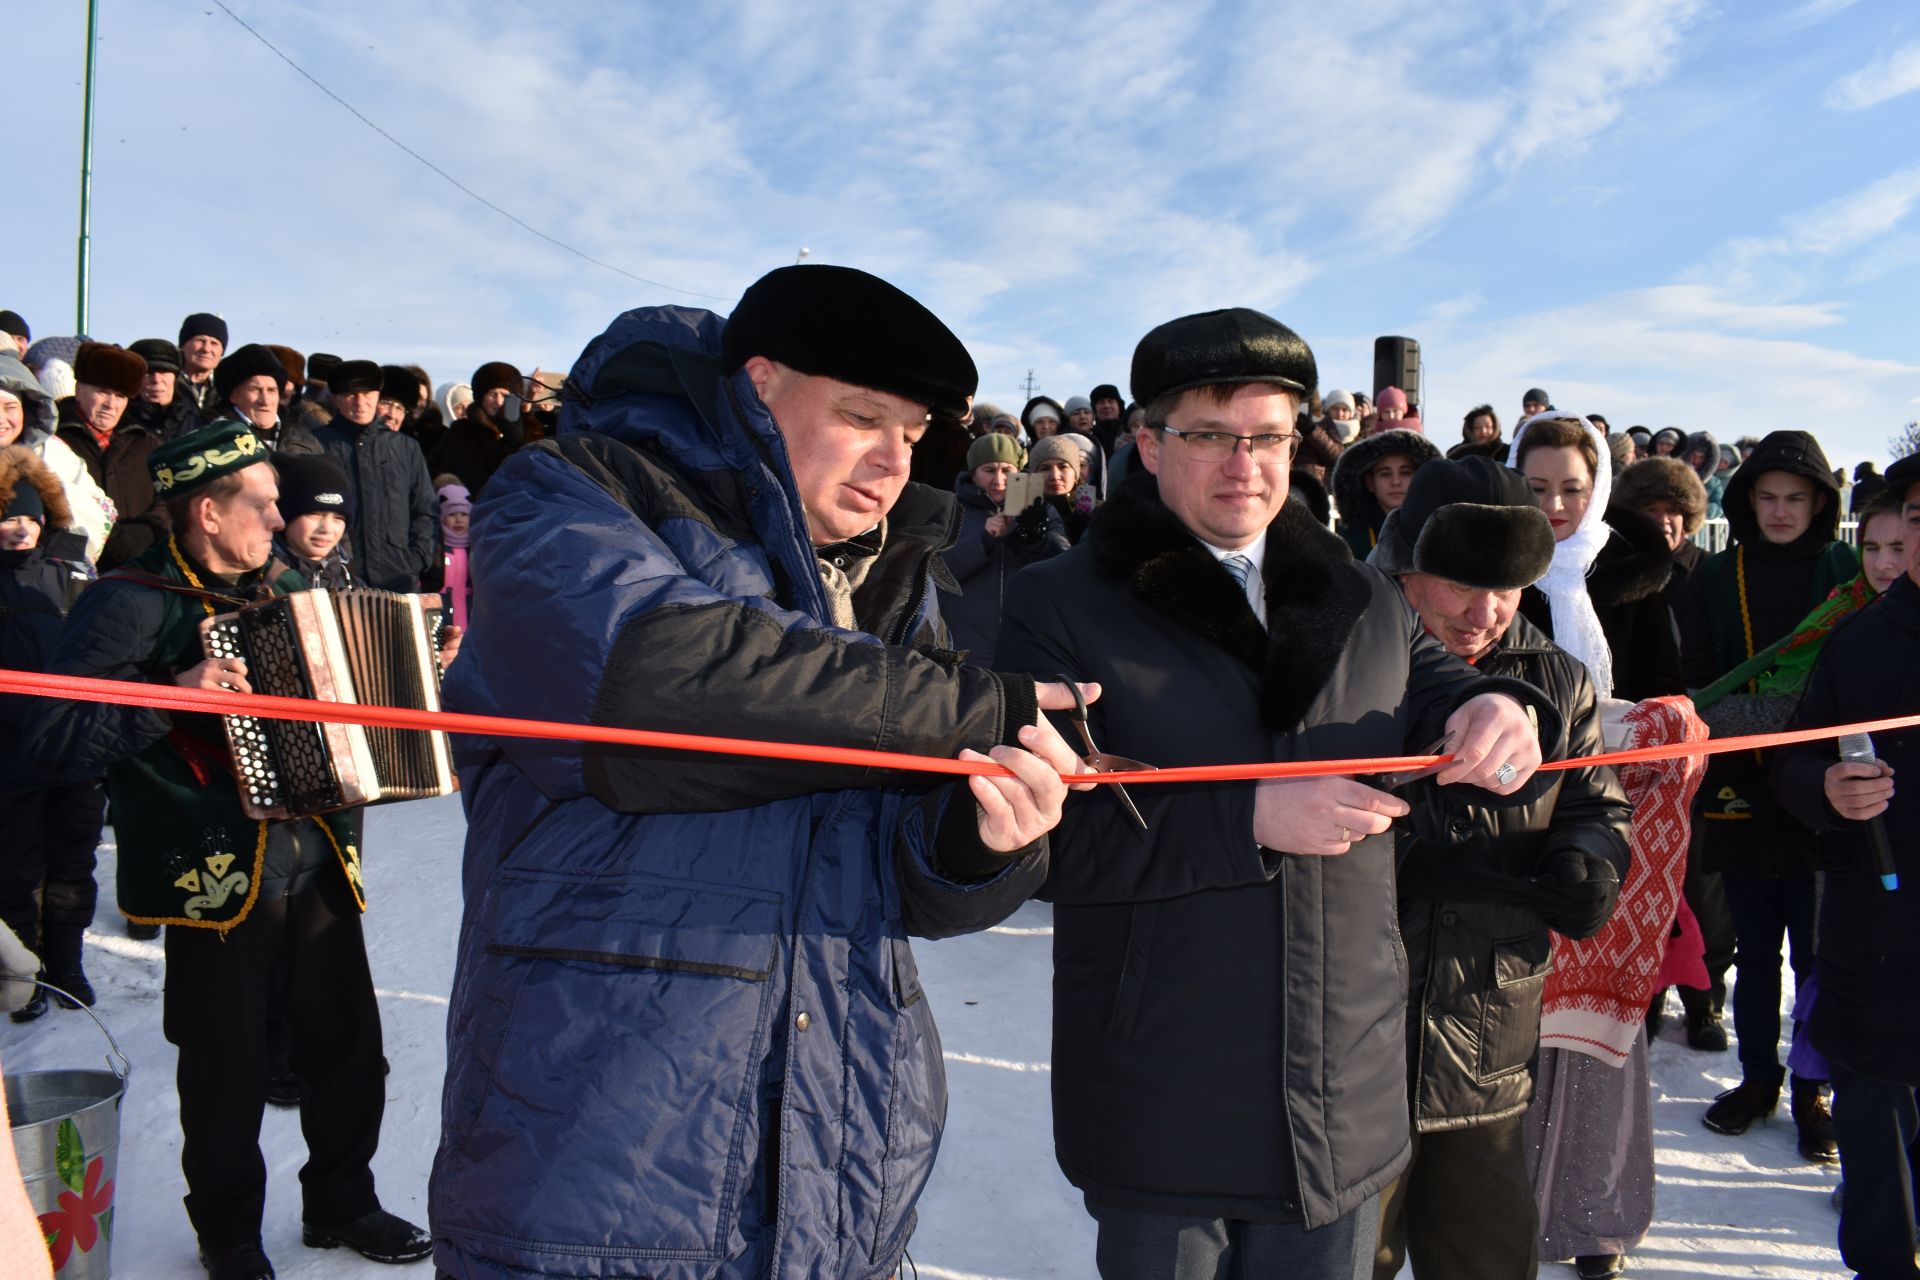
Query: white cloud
1597, 57
1890, 76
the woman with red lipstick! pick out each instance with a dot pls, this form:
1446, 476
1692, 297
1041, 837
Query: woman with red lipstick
1602, 599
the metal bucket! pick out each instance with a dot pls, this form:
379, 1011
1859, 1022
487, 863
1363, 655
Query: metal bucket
66, 1133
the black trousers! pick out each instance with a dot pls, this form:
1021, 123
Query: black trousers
1875, 1124
217, 993
1708, 901
1132, 1245
47, 843
1767, 911
1464, 1209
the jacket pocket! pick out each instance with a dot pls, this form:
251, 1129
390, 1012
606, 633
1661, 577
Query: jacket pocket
1133, 973
916, 1112
629, 1068
1510, 1011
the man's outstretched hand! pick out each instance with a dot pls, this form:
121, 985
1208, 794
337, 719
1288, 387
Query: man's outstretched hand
1016, 811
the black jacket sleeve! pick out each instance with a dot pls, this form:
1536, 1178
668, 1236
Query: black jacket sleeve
423, 515
1591, 814
965, 886
1198, 836
1800, 770
111, 635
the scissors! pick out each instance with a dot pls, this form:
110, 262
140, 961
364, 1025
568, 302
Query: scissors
1394, 781
1099, 761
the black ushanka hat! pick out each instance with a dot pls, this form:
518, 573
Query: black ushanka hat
1471, 521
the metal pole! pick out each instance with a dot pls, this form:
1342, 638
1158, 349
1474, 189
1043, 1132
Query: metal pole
86, 172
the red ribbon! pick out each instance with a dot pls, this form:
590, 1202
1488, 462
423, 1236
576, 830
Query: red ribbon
223, 702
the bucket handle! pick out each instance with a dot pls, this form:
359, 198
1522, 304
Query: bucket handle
124, 1068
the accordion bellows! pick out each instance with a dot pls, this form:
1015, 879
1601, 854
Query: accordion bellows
376, 648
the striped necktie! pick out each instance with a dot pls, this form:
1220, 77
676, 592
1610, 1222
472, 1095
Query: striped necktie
1240, 567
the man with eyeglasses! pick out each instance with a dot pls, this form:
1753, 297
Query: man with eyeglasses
1229, 1074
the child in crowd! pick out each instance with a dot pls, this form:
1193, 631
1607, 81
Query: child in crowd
456, 508
1883, 542
316, 502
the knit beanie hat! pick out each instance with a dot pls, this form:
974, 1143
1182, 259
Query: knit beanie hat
993, 447
1390, 398
1052, 448
312, 483
201, 324
10, 322
1075, 403
1335, 397
454, 498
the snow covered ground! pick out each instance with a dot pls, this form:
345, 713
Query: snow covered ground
997, 1209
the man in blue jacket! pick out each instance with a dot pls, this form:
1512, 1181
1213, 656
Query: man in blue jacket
687, 1038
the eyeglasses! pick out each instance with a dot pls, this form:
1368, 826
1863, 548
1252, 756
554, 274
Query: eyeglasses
1218, 446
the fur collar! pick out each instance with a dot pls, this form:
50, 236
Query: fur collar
1315, 593
1634, 564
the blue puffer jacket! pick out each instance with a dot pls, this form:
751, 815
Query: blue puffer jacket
686, 1036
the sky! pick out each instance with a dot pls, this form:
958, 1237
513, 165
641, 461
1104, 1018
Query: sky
1672, 212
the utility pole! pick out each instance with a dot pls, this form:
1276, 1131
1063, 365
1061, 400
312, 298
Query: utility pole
86, 172
1029, 386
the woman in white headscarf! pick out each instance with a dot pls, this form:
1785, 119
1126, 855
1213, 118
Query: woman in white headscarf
1589, 1129
1601, 601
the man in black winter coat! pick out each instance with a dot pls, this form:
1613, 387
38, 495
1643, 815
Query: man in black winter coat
1866, 1018
1229, 1053
161, 407
1783, 510
394, 534
1480, 886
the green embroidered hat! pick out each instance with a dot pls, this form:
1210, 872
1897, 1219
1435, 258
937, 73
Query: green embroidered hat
199, 458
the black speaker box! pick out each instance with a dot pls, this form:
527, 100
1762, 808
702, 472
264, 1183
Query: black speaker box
1396, 363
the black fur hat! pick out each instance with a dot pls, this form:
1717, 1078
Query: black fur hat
1236, 344
1468, 520
1903, 475
399, 383
353, 375
243, 364
840, 322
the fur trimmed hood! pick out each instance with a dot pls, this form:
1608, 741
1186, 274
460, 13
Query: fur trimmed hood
1315, 593
1635, 562
1350, 497
20, 465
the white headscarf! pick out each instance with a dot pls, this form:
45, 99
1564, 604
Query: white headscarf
1576, 627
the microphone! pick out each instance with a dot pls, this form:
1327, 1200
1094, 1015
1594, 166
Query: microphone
1857, 748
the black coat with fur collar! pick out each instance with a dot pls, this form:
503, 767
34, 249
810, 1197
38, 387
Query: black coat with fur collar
1627, 586
1228, 1022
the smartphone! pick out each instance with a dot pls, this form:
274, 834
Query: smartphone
1023, 489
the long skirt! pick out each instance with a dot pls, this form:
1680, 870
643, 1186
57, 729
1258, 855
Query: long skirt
1589, 1139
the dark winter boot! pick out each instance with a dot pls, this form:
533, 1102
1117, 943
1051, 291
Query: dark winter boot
378, 1236
35, 1007
1600, 1266
60, 951
1736, 1109
141, 932
1814, 1118
1704, 1031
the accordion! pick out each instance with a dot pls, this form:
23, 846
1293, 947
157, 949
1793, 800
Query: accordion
376, 648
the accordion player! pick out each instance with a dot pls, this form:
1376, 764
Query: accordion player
376, 648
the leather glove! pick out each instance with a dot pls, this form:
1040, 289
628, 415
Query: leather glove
1576, 894
18, 968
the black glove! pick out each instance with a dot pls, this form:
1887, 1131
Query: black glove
1576, 893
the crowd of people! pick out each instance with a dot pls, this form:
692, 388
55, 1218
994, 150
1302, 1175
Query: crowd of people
1314, 1026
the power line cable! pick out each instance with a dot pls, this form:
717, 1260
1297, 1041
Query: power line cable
522, 223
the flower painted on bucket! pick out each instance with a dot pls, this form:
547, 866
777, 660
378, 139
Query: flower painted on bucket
85, 1215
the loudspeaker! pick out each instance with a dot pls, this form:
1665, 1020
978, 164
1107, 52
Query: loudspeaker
1396, 363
